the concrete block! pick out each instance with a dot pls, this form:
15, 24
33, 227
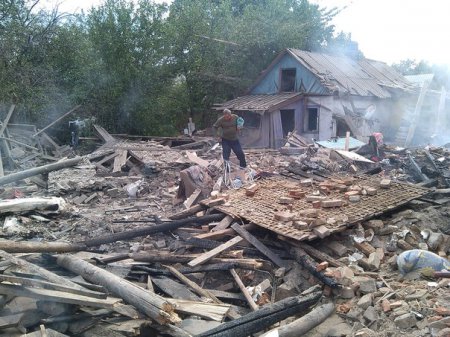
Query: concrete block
300, 224
285, 200
321, 231
406, 321
354, 198
347, 293
285, 290
365, 301
337, 248
284, 216
371, 191
332, 203
371, 314
385, 183
306, 182
376, 225
311, 198
366, 284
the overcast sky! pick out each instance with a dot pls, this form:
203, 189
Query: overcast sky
386, 30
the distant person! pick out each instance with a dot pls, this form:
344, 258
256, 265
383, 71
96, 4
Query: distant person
227, 127
74, 127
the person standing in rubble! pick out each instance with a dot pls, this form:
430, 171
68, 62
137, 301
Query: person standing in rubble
226, 128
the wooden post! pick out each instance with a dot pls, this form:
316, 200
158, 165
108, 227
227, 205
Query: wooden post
39, 170
347, 141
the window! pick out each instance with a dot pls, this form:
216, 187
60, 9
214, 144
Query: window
251, 119
312, 119
287, 80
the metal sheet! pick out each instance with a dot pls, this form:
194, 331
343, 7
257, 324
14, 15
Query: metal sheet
260, 208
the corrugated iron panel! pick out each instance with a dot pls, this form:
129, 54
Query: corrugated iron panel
362, 78
258, 103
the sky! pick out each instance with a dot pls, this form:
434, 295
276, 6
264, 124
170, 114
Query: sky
386, 30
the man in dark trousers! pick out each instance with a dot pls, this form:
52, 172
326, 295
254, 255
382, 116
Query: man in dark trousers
226, 127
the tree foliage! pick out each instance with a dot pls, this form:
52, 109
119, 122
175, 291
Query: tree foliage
142, 67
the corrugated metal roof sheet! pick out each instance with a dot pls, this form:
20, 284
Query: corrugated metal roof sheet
259, 103
420, 79
356, 77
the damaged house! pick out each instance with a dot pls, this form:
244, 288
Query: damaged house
320, 96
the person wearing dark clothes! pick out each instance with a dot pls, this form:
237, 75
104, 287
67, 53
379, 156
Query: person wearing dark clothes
226, 127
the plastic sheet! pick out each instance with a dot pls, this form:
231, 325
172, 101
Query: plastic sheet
417, 259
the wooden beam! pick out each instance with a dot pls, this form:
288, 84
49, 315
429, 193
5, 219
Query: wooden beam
259, 245
39, 170
194, 286
244, 290
223, 224
214, 252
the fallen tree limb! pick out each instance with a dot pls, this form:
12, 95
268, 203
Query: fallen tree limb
158, 228
153, 305
303, 324
39, 170
259, 320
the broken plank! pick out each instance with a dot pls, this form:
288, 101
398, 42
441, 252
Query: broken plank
174, 289
57, 296
57, 120
244, 290
212, 311
120, 160
199, 290
259, 245
222, 233
52, 286
34, 269
223, 224
214, 252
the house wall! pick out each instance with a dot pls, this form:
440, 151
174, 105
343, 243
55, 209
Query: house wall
305, 80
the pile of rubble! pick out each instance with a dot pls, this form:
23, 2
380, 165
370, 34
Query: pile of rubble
139, 238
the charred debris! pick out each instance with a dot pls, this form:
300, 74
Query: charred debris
154, 237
